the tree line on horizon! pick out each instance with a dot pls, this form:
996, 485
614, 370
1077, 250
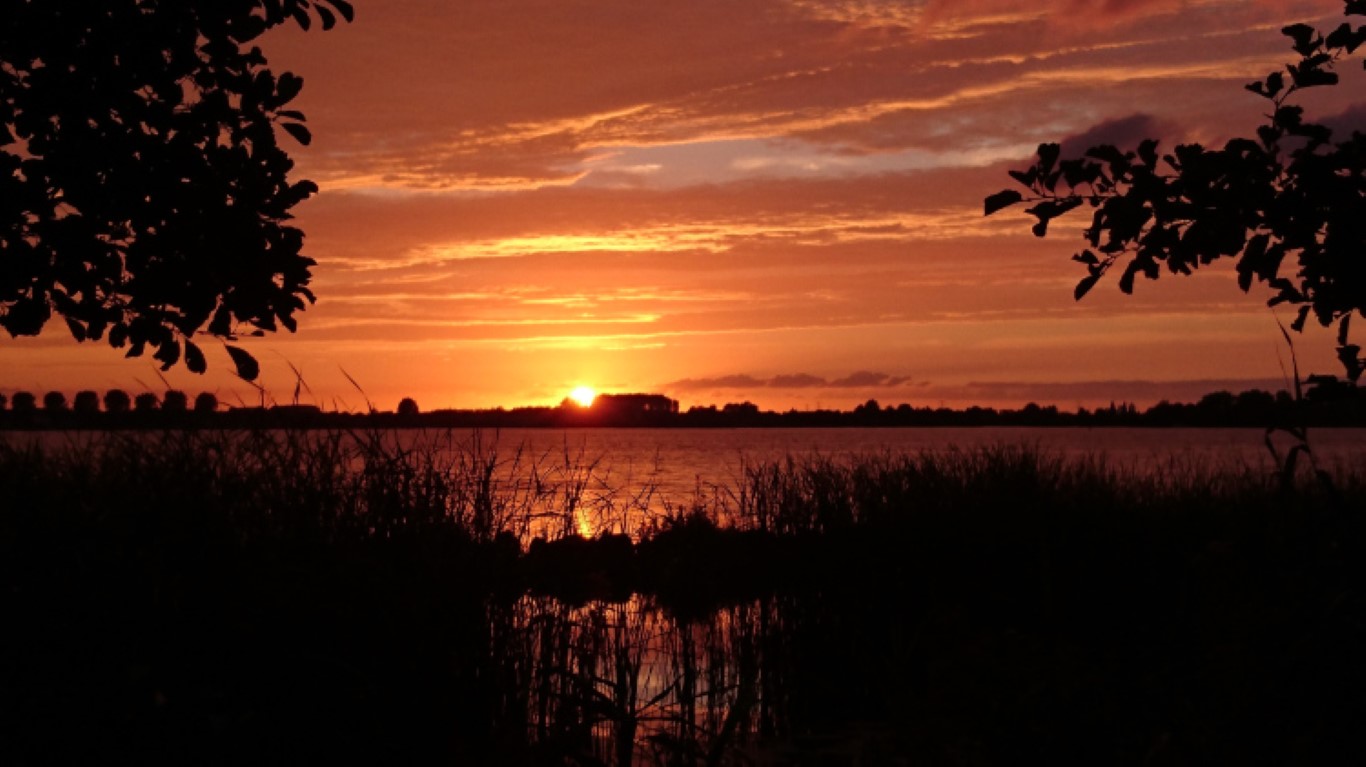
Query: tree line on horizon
1327, 401
112, 402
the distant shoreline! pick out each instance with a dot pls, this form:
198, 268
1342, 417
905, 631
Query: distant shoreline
1219, 410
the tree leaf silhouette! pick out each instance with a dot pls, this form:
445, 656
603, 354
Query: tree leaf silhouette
168, 354
1003, 199
299, 132
247, 367
1287, 203
113, 194
194, 358
344, 8
1084, 287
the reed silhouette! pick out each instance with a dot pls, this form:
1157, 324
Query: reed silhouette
294, 597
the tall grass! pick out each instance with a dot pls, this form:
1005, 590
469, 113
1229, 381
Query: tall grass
395, 483
299, 597
354, 484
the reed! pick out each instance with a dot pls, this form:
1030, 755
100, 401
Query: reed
389, 596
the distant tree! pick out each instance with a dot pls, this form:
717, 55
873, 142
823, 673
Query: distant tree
407, 406
54, 402
86, 402
145, 402
3, 401
117, 401
1216, 405
205, 402
1288, 199
1329, 389
143, 194
24, 402
174, 401
1256, 401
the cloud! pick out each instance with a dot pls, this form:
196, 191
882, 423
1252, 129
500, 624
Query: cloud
1093, 393
1344, 123
1091, 17
865, 378
522, 94
862, 379
1123, 132
719, 382
796, 381
1083, 14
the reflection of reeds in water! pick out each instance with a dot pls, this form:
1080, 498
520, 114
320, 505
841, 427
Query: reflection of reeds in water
627, 683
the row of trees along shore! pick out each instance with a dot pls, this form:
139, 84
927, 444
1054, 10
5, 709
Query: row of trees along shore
1327, 401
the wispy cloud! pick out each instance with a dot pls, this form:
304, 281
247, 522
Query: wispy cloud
860, 380
479, 109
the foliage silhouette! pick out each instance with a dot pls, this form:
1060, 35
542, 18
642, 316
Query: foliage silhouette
86, 402
54, 402
24, 402
175, 401
205, 402
408, 406
145, 402
117, 401
143, 195
1290, 198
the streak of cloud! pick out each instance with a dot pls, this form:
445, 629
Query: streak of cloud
862, 379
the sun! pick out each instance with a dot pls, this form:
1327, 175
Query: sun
584, 395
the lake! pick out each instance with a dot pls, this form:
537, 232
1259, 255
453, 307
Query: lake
679, 463
656, 470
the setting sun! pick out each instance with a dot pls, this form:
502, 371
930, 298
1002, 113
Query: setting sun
584, 395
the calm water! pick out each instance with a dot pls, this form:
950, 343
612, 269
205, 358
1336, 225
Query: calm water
681, 463
657, 468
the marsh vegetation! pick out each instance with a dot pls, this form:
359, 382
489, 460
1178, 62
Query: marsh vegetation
294, 597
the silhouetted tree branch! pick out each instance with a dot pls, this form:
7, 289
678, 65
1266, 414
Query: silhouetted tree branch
143, 195
1289, 204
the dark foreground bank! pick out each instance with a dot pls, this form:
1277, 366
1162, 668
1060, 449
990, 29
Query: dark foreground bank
293, 599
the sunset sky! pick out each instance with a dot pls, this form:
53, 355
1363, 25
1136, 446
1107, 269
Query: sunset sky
772, 200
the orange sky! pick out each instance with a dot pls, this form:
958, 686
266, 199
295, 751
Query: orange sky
774, 200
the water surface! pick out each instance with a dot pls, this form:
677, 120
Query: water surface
683, 462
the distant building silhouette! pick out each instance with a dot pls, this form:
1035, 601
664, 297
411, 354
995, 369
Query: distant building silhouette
635, 404
621, 410
295, 415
